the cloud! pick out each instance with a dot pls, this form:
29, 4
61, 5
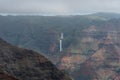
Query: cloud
59, 6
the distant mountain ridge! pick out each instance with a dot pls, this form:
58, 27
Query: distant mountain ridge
104, 15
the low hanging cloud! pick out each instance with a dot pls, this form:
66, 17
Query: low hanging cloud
59, 6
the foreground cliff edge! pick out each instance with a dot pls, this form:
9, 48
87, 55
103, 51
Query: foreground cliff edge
4, 76
27, 65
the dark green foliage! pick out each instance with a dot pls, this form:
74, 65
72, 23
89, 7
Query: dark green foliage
85, 72
27, 65
40, 32
118, 71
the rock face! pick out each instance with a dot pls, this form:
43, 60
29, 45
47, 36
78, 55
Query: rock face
27, 65
104, 64
96, 56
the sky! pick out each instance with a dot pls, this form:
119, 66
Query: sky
58, 7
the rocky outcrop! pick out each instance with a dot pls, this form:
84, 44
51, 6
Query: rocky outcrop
104, 64
27, 65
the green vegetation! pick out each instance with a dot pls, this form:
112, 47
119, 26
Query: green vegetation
83, 36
